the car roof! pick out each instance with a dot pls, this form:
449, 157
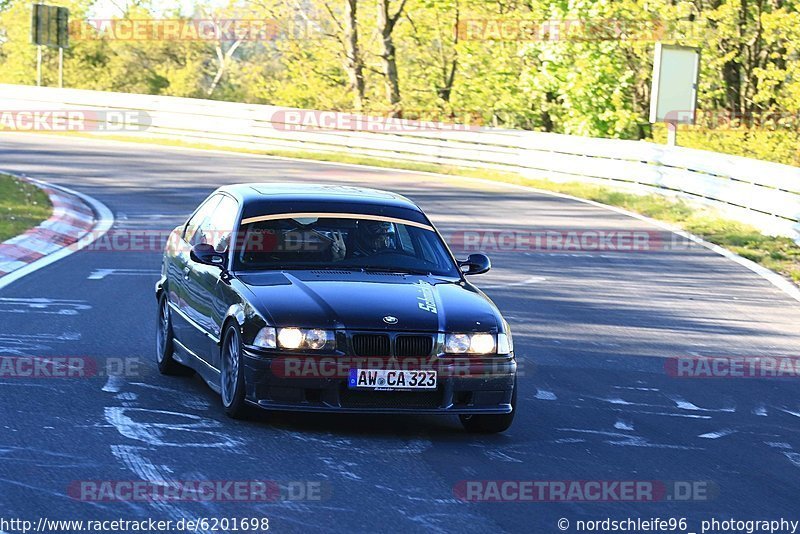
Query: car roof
273, 198
286, 191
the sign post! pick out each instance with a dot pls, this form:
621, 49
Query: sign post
38, 65
50, 28
673, 98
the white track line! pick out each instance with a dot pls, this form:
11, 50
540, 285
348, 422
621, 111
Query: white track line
772, 277
104, 223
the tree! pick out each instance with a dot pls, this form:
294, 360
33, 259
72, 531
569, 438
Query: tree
354, 60
409, 58
388, 52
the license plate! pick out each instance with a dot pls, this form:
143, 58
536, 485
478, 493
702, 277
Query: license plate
391, 379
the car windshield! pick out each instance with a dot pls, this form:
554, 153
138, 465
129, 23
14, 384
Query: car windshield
369, 243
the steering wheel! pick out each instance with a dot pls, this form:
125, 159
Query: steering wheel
386, 251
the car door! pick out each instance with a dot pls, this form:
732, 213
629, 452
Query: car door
183, 323
205, 302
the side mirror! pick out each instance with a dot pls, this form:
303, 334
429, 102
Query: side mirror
205, 254
475, 264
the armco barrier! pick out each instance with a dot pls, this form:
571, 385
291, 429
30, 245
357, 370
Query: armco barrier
766, 195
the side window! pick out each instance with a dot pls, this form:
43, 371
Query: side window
220, 224
428, 249
405, 239
190, 234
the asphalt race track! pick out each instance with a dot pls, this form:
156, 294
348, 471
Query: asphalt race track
592, 331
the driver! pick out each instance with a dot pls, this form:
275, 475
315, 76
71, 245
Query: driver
368, 238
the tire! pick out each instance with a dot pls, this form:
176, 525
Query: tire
491, 423
232, 383
164, 342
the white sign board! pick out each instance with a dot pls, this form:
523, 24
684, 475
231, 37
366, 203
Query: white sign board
675, 74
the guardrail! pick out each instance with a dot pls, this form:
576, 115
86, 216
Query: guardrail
764, 194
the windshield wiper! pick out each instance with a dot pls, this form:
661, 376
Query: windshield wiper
401, 270
299, 267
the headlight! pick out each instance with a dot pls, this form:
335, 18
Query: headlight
298, 338
316, 339
469, 343
290, 338
265, 338
505, 344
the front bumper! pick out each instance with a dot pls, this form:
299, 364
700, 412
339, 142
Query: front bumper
474, 386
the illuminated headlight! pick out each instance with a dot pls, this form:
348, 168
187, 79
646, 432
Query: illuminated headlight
290, 338
265, 338
298, 338
469, 344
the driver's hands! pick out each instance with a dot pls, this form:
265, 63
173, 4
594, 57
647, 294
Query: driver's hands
338, 248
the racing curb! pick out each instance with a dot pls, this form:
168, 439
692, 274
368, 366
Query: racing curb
76, 222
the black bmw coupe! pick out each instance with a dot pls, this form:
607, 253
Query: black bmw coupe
331, 298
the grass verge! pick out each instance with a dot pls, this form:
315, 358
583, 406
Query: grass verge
779, 254
22, 206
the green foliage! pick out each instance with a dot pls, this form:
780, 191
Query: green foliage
781, 145
584, 68
22, 206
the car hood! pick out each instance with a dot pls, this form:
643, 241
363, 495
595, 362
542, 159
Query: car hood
361, 301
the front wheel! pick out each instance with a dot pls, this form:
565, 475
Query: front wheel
232, 385
491, 423
164, 342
